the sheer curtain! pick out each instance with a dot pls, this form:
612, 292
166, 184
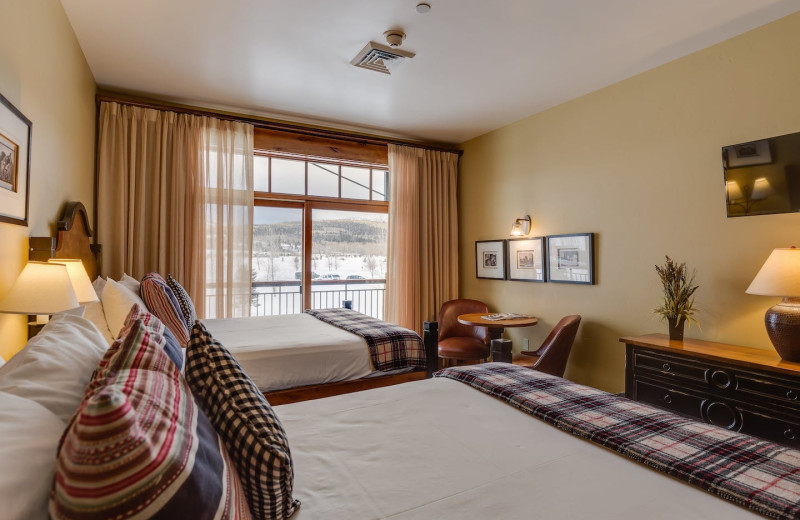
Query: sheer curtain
422, 264
172, 197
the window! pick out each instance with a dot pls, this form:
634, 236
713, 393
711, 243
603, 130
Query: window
319, 235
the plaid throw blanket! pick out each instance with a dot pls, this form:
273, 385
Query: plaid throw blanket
391, 347
753, 473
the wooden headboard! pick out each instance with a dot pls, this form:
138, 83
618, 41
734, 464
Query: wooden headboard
74, 240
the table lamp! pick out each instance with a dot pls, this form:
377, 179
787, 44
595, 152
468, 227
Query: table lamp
41, 289
81, 284
780, 276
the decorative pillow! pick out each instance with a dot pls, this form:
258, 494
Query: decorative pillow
55, 366
99, 284
162, 302
29, 433
117, 303
140, 447
185, 302
246, 422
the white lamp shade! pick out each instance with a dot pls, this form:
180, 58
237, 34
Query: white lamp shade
733, 190
780, 275
761, 189
84, 290
41, 288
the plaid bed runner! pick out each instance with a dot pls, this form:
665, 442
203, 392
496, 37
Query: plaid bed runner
390, 346
753, 473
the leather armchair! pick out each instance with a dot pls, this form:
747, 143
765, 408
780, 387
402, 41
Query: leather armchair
552, 355
458, 341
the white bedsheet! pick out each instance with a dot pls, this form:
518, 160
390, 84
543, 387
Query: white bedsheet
439, 449
292, 350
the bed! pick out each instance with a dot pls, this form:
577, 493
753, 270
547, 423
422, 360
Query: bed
292, 357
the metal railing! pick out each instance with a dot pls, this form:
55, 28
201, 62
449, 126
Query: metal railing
285, 297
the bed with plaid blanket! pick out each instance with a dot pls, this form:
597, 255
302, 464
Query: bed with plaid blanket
391, 347
750, 472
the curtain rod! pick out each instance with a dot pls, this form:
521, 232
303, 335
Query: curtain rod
268, 124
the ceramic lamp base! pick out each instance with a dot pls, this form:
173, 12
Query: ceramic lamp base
783, 328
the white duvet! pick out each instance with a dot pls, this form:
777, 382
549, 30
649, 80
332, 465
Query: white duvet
439, 449
292, 350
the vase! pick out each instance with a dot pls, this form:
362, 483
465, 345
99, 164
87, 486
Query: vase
676, 326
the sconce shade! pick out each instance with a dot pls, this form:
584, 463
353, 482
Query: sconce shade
733, 191
522, 226
41, 288
81, 284
761, 189
780, 274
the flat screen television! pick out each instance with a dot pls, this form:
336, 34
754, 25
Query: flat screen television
762, 177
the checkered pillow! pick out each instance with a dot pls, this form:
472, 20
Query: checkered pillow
185, 302
252, 433
161, 301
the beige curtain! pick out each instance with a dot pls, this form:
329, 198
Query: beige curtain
227, 163
156, 170
422, 267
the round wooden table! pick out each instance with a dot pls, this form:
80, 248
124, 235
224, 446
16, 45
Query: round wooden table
495, 327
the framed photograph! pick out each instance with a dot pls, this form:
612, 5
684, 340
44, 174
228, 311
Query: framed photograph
570, 258
490, 259
526, 259
15, 164
747, 154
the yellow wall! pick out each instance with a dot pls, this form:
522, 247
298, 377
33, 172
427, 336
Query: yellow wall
44, 74
639, 164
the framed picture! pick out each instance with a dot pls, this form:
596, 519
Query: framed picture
570, 258
15, 164
747, 154
490, 259
526, 259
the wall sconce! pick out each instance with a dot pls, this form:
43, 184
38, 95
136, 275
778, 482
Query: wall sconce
521, 227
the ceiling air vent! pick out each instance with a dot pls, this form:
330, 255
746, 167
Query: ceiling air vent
380, 58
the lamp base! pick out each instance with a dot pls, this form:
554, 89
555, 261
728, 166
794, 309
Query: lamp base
783, 328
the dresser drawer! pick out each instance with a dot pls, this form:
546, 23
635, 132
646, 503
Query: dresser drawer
669, 399
771, 428
765, 386
669, 366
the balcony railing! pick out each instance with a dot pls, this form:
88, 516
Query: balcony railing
286, 297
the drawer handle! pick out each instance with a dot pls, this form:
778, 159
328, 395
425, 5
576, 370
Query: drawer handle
667, 398
791, 394
666, 367
789, 434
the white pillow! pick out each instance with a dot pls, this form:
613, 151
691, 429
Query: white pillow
30, 435
94, 313
117, 303
130, 282
99, 284
55, 366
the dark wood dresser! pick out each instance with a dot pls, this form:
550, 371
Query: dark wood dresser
743, 389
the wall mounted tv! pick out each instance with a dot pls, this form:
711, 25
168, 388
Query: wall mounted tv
762, 177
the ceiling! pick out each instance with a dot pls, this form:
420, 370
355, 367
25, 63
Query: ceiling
479, 65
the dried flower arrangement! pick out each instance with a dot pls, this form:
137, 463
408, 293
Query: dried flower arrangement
679, 289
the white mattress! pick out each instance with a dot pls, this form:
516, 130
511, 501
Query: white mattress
438, 449
280, 352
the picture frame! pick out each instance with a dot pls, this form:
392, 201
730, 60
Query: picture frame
753, 153
570, 258
490, 259
15, 164
526, 259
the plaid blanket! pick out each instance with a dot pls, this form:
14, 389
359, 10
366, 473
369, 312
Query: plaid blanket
391, 347
753, 473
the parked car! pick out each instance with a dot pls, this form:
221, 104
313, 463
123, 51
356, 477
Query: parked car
299, 276
333, 276
355, 277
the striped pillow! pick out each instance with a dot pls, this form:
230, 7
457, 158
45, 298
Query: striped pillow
140, 447
161, 301
246, 422
185, 302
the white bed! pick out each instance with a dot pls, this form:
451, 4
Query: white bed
438, 449
292, 350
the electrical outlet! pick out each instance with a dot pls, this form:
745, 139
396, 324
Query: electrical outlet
525, 344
